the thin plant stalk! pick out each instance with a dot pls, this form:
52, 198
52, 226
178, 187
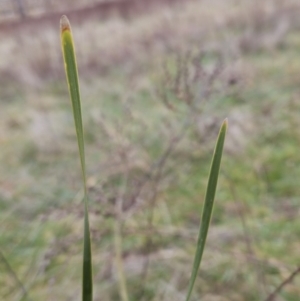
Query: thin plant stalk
208, 205
72, 79
119, 261
15, 277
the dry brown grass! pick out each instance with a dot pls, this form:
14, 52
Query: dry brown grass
31, 54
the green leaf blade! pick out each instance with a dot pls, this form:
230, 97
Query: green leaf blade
208, 204
73, 84
87, 278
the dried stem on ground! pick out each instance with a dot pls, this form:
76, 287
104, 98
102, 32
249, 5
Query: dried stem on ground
287, 281
19, 283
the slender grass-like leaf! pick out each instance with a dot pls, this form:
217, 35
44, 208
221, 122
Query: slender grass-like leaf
72, 79
208, 205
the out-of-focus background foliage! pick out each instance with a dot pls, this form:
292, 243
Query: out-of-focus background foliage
157, 79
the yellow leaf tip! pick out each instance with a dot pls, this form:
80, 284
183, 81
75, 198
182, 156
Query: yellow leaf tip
64, 24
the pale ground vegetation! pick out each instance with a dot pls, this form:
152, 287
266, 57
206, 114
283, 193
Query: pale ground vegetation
155, 89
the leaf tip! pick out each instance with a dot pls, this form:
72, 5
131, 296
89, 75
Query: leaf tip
225, 124
64, 24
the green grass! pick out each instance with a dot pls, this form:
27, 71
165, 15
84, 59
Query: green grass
40, 196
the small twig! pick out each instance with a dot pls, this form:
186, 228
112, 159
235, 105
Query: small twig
288, 280
156, 177
155, 172
261, 282
118, 233
14, 276
119, 262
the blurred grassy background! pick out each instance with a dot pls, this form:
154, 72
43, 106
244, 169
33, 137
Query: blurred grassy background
156, 86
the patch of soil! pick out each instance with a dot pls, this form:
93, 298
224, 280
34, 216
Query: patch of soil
103, 10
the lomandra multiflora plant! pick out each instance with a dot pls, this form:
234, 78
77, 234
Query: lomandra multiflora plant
72, 79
